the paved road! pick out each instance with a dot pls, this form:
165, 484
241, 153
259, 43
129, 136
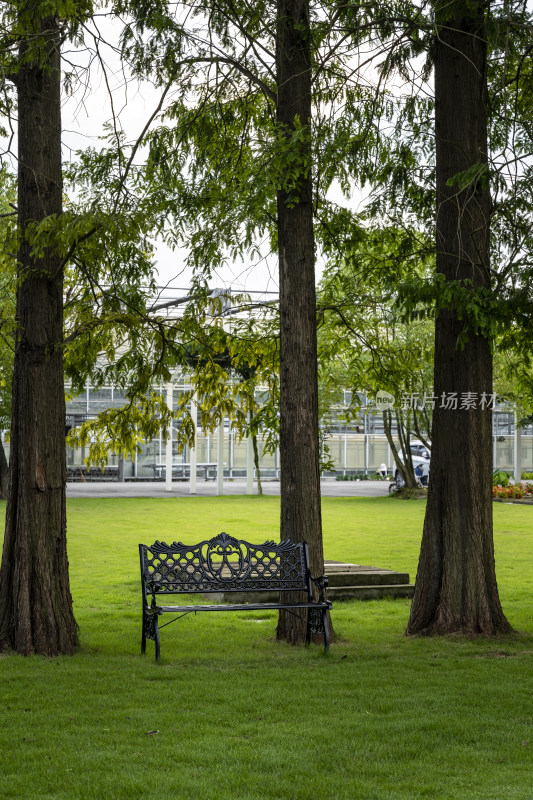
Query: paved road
330, 488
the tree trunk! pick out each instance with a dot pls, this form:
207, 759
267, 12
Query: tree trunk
403, 463
4, 472
456, 589
36, 613
256, 462
299, 442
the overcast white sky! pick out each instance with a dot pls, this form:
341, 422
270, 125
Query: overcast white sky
84, 115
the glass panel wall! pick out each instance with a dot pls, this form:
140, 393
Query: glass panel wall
202, 455
148, 460
335, 444
355, 452
526, 453
266, 460
355, 445
378, 452
239, 454
504, 452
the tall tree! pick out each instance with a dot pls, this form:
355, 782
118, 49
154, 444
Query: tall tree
104, 245
244, 137
299, 441
456, 589
36, 613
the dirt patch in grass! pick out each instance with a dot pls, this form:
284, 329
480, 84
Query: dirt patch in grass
411, 494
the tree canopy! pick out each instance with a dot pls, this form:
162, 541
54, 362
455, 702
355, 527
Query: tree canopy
260, 113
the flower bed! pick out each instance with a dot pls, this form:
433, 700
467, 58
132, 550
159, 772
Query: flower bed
512, 492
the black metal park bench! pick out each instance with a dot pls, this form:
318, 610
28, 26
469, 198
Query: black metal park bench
222, 565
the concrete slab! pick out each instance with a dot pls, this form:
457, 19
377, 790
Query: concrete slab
329, 488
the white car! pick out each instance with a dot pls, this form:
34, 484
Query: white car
421, 458
418, 448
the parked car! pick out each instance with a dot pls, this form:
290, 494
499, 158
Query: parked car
420, 449
421, 458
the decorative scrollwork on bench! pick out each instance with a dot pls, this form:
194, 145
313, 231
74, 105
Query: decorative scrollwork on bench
315, 621
225, 564
149, 626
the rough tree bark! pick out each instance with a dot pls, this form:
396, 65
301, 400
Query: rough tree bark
36, 613
299, 441
4, 472
456, 589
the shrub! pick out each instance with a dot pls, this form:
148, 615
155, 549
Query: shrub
500, 478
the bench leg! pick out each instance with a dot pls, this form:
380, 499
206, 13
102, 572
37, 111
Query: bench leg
308, 629
326, 630
156, 640
317, 622
150, 631
145, 631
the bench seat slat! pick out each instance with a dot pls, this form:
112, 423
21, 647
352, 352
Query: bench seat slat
243, 607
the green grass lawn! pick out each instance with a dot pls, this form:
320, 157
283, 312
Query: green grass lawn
231, 714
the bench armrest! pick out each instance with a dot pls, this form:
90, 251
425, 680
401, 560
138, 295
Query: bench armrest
152, 587
321, 584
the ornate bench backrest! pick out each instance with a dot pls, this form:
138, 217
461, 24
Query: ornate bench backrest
224, 564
